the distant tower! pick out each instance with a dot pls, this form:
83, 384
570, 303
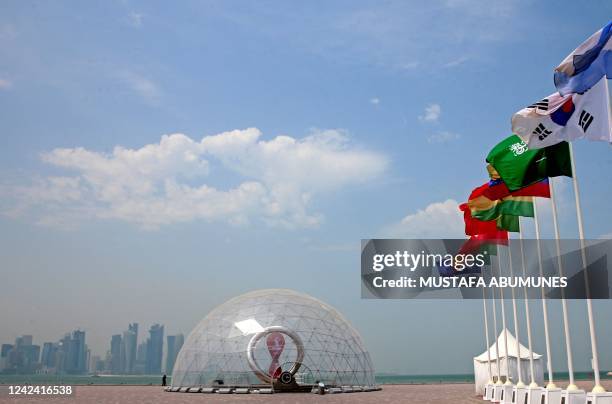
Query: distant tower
79, 364
155, 346
130, 344
115, 354
175, 343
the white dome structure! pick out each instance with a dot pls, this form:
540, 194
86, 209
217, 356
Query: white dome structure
273, 338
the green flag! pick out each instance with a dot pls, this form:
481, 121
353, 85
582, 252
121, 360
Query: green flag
518, 166
508, 223
482, 208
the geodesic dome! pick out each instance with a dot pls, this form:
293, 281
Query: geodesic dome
261, 337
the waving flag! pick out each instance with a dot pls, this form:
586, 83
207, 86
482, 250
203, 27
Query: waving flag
574, 116
497, 189
587, 64
486, 209
475, 226
478, 242
509, 223
519, 166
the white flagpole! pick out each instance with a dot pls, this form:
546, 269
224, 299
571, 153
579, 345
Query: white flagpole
566, 327
598, 388
503, 310
551, 383
516, 326
531, 365
486, 324
496, 338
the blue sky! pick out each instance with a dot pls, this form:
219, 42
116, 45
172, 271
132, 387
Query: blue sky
369, 118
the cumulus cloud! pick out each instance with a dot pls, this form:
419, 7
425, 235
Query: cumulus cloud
437, 220
432, 113
165, 182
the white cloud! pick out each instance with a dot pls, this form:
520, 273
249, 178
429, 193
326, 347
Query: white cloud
163, 183
142, 86
375, 101
5, 84
443, 137
135, 19
432, 113
409, 65
456, 62
437, 220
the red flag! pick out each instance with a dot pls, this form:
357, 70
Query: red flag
476, 242
475, 226
497, 189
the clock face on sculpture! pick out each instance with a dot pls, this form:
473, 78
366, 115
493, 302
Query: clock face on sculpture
273, 337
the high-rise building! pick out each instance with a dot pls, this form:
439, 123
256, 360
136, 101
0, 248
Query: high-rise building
48, 358
4, 354
155, 345
5, 349
80, 351
174, 344
24, 340
96, 364
129, 347
141, 358
74, 353
23, 357
115, 354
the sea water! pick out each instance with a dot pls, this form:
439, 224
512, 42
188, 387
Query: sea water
143, 380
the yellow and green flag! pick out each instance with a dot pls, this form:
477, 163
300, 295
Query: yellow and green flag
483, 208
509, 223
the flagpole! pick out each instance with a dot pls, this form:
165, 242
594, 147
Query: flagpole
566, 327
516, 326
503, 310
486, 324
598, 388
531, 365
551, 384
496, 338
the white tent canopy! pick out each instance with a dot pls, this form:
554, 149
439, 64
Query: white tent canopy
481, 363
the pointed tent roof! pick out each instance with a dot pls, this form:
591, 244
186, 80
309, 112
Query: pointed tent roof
524, 351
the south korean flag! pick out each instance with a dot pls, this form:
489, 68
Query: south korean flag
573, 116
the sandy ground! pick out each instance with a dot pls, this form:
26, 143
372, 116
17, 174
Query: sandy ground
423, 394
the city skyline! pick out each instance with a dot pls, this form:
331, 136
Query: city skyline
71, 355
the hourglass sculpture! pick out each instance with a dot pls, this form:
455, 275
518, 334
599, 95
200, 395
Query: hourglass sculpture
276, 344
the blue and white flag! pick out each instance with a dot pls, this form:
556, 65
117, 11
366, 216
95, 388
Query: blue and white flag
586, 65
570, 117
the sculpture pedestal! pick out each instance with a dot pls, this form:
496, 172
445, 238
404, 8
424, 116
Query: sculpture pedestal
573, 397
520, 395
552, 395
599, 398
497, 391
534, 395
506, 397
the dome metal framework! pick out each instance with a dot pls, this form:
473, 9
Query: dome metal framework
273, 338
